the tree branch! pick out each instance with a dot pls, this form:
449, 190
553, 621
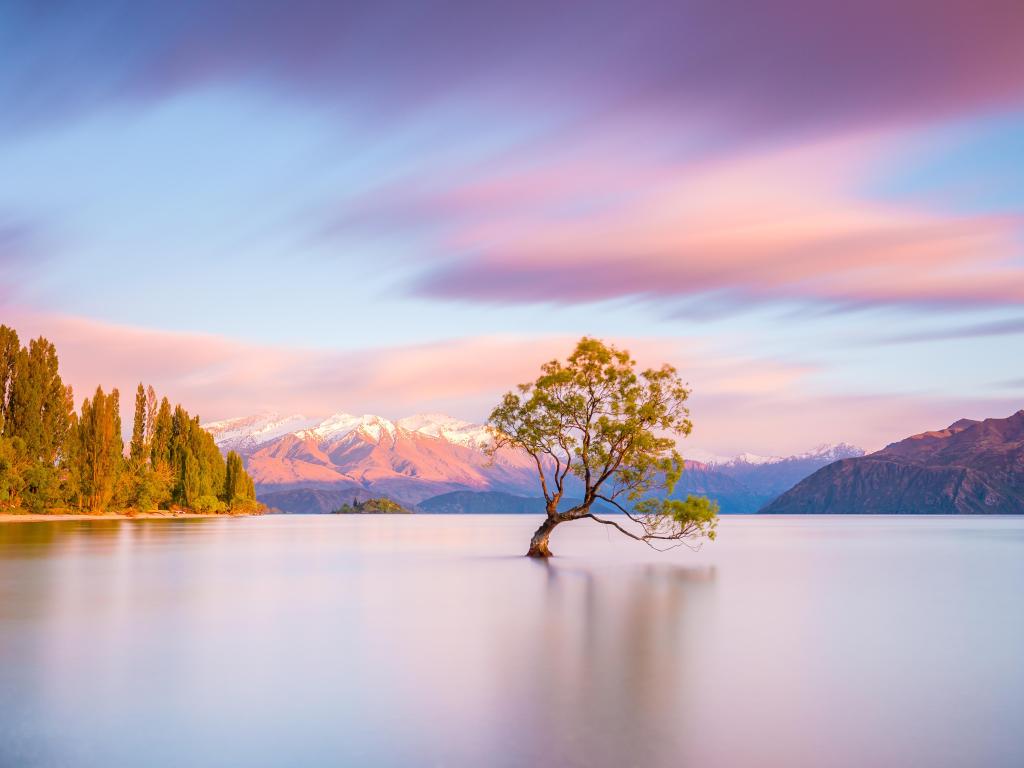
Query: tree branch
646, 539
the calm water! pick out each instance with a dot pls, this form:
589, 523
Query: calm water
366, 641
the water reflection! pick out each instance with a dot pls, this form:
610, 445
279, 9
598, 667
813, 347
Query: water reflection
429, 641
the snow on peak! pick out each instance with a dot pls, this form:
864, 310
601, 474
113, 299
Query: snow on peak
447, 428
341, 424
705, 457
249, 432
431, 423
832, 452
753, 458
824, 452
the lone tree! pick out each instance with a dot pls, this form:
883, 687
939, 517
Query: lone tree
596, 419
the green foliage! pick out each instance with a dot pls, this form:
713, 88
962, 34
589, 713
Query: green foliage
137, 448
160, 442
378, 506
36, 409
51, 457
239, 490
149, 487
12, 451
39, 407
9, 348
197, 460
596, 418
209, 505
99, 450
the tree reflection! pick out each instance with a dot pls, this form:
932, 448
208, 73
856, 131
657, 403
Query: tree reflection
611, 654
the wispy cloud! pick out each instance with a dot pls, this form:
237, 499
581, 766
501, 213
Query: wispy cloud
726, 227
976, 330
1011, 384
791, 67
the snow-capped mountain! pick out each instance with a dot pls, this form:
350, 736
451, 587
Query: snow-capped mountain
447, 428
302, 464
768, 476
826, 452
410, 459
245, 434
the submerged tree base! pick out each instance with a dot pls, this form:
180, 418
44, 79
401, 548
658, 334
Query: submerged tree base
541, 551
539, 542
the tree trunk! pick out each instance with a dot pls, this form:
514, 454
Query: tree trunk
539, 542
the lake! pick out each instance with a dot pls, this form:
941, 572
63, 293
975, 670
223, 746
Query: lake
429, 641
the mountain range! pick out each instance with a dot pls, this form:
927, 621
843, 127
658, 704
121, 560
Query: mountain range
970, 467
437, 463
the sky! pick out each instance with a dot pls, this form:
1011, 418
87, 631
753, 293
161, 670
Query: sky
814, 211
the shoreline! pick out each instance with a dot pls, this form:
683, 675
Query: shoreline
34, 517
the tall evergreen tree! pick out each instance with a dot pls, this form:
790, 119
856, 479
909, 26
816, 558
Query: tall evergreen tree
37, 419
38, 407
234, 479
138, 444
151, 412
11, 455
101, 449
160, 449
72, 466
9, 348
189, 480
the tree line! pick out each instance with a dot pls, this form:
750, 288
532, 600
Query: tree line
54, 458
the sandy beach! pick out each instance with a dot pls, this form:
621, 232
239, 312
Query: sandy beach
28, 517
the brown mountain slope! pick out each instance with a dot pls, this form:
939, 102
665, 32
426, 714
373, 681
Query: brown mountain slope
969, 468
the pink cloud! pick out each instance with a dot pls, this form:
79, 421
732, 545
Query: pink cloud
769, 225
739, 403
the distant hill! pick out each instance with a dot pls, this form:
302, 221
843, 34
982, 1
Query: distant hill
437, 463
733, 497
745, 484
769, 477
377, 506
305, 500
482, 502
971, 467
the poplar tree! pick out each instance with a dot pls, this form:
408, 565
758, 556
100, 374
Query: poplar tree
101, 449
138, 444
38, 417
10, 453
38, 405
151, 411
160, 449
188, 483
9, 348
234, 484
